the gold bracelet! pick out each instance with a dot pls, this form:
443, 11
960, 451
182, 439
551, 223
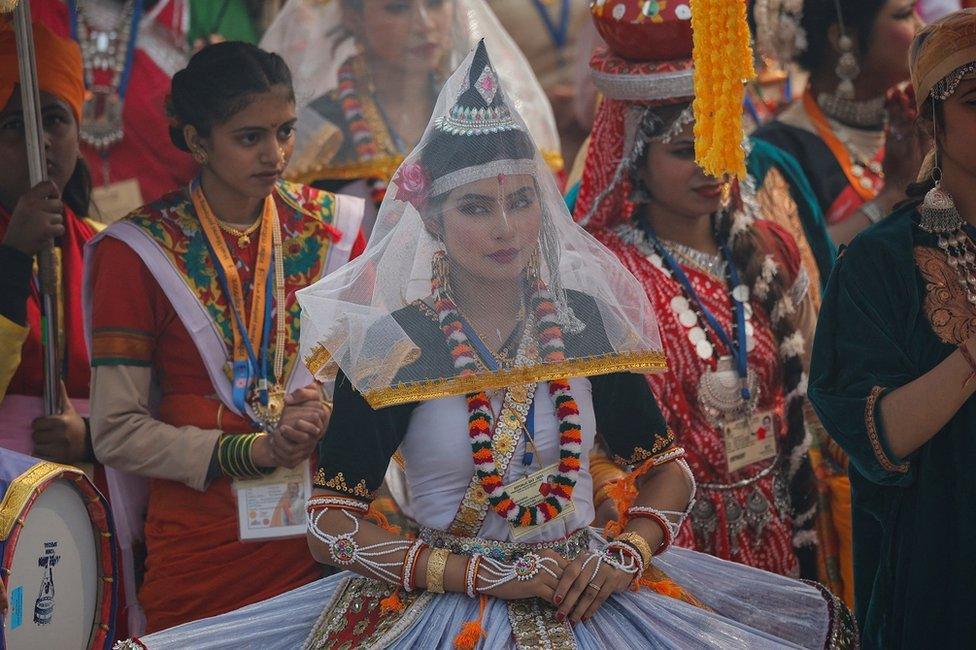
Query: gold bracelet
436, 565
639, 543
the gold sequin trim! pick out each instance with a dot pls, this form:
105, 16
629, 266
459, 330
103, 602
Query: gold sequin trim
20, 490
338, 483
639, 455
423, 391
874, 435
317, 359
534, 626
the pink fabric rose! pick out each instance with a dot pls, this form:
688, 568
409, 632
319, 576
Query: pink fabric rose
411, 181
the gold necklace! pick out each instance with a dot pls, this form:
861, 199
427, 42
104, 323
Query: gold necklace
243, 236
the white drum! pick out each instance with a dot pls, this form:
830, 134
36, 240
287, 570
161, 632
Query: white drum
59, 557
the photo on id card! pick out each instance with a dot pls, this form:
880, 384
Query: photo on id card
273, 506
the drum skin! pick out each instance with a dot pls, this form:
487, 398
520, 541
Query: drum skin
59, 560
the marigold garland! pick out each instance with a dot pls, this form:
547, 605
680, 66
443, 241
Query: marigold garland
723, 63
558, 492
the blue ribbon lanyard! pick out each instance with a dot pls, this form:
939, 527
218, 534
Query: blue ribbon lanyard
489, 359
130, 47
738, 347
245, 370
558, 32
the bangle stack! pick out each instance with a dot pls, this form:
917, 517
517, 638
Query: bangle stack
638, 544
409, 570
659, 517
436, 565
234, 456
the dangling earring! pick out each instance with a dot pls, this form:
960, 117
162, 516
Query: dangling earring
200, 156
938, 210
533, 270
940, 217
847, 68
440, 272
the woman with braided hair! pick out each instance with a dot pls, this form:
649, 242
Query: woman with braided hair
734, 307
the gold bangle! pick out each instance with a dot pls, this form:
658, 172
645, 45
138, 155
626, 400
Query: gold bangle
436, 565
639, 543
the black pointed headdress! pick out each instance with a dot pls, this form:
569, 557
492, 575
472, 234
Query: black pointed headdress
480, 136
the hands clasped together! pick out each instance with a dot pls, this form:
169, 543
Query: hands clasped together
576, 587
303, 422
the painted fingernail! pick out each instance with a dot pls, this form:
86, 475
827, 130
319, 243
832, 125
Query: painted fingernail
557, 599
560, 617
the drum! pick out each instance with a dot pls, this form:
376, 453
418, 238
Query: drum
60, 565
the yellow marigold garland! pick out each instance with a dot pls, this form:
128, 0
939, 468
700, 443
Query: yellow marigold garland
723, 63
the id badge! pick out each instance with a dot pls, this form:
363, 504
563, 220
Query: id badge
273, 506
749, 440
115, 200
526, 492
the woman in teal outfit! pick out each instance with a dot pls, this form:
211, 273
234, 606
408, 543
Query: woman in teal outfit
894, 368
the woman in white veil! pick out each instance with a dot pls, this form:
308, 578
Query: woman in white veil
490, 339
367, 73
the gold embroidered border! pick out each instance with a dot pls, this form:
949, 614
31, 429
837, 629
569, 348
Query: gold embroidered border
661, 443
21, 488
338, 483
874, 436
601, 365
351, 598
534, 626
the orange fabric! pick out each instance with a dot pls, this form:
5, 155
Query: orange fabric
840, 510
59, 69
195, 566
836, 147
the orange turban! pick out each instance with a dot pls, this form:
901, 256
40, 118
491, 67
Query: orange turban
59, 69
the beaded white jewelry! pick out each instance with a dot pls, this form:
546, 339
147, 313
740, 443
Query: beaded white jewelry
346, 551
524, 568
408, 561
471, 576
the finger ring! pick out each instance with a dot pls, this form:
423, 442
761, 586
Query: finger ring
592, 586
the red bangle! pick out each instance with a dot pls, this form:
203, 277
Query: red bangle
413, 569
660, 520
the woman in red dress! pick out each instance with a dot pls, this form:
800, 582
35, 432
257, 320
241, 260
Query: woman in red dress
193, 301
732, 304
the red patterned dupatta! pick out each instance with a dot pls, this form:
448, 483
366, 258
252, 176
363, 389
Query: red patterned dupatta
751, 524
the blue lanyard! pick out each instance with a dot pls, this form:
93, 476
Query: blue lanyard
246, 370
130, 47
556, 32
738, 348
489, 360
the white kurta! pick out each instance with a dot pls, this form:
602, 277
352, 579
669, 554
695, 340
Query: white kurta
439, 466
